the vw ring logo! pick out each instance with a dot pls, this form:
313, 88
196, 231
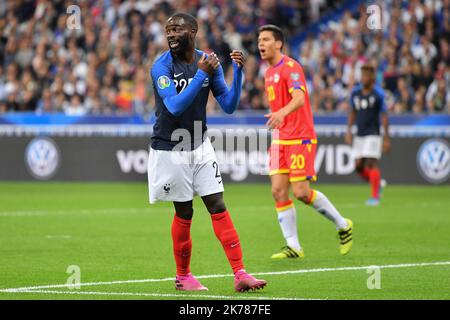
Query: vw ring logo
433, 160
42, 158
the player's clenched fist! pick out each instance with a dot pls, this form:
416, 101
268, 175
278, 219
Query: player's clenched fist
209, 64
238, 57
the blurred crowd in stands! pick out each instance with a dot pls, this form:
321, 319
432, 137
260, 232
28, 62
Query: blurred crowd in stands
49, 64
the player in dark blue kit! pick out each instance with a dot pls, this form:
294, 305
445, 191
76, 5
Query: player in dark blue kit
369, 112
182, 162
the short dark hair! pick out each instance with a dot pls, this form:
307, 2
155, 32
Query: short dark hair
188, 19
276, 31
368, 67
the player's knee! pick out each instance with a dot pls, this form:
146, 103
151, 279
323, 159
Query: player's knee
185, 213
184, 210
280, 194
372, 163
214, 203
302, 195
217, 206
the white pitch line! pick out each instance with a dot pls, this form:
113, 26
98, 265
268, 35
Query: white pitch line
162, 295
210, 276
29, 213
388, 266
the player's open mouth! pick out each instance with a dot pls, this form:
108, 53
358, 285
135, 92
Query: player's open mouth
173, 44
262, 51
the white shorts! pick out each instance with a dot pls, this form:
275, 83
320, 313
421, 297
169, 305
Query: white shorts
367, 147
180, 175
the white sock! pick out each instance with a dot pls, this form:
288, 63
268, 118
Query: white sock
288, 223
322, 205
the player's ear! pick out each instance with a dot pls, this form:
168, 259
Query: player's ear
279, 44
193, 33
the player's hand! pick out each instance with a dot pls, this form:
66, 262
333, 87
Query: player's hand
238, 57
386, 144
275, 119
210, 64
348, 138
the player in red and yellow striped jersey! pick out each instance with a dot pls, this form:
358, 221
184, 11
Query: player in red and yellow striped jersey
294, 142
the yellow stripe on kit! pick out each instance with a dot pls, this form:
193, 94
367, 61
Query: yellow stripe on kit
285, 207
294, 142
297, 179
301, 88
278, 171
313, 197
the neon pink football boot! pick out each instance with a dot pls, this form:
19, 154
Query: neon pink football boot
245, 282
188, 283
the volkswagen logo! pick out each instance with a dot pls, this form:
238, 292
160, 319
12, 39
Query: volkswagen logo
433, 160
42, 158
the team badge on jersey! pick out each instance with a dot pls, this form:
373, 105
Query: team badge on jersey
295, 76
163, 82
167, 188
276, 78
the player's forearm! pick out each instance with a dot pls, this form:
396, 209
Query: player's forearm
177, 104
351, 121
297, 101
230, 99
385, 123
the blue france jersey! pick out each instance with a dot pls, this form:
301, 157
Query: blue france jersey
368, 109
169, 74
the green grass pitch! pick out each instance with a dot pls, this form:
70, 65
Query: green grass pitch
112, 233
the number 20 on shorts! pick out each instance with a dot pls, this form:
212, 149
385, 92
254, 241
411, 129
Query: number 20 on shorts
297, 161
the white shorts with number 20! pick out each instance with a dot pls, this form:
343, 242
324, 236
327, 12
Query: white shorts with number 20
180, 175
367, 147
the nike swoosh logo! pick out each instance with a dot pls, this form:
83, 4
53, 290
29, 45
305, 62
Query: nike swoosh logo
177, 75
220, 181
234, 245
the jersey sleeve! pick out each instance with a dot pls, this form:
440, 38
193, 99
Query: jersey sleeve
294, 76
384, 107
352, 99
219, 86
382, 100
163, 80
228, 98
175, 102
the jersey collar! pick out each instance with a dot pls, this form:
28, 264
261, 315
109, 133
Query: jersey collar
279, 62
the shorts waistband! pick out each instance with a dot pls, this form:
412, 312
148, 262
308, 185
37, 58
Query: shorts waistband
294, 142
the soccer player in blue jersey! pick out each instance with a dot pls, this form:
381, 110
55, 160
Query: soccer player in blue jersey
183, 165
369, 111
